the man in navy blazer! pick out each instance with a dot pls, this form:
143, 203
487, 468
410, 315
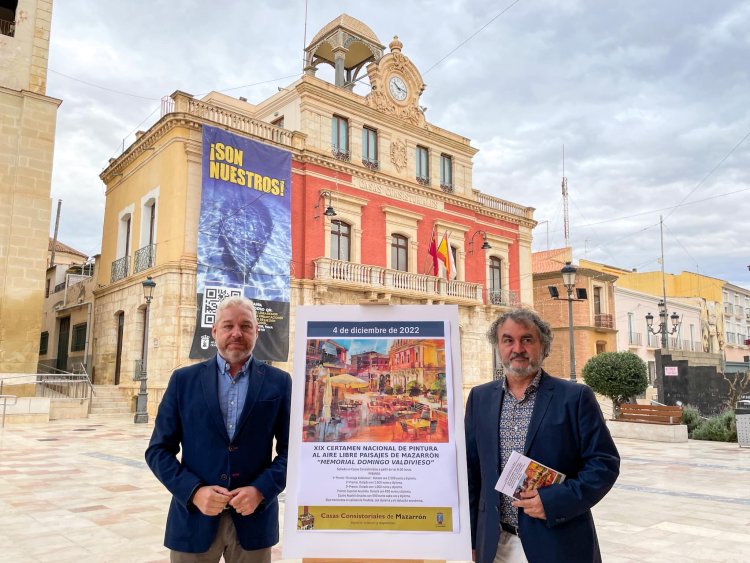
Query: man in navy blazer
224, 415
555, 422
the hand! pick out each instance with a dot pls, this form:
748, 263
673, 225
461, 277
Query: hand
211, 499
473, 554
245, 500
531, 504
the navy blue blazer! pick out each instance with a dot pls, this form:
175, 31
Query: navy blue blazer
189, 418
567, 433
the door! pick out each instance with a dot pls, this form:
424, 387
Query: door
63, 340
118, 357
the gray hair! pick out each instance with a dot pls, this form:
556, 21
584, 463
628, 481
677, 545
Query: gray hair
528, 318
235, 301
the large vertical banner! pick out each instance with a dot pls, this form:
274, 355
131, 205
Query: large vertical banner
244, 238
377, 464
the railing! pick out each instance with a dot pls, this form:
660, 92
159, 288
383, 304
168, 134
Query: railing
340, 154
238, 121
59, 287
675, 343
370, 163
120, 268
502, 297
604, 320
447, 188
375, 278
728, 309
144, 258
62, 384
504, 206
635, 339
7, 28
423, 180
5, 399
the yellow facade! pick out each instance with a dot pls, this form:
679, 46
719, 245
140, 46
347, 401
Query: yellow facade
27, 134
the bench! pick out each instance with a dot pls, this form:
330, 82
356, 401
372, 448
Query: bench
650, 414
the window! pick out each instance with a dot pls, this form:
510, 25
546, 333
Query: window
370, 148
46, 288
145, 257
446, 173
340, 137
79, 338
44, 343
399, 253
278, 122
597, 300
340, 240
423, 165
495, 280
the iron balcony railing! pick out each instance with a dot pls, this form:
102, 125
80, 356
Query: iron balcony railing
423, 180
447, 188
502, 297
120, 268
371, 163
144, 258
604, 320
340, 154
635, 339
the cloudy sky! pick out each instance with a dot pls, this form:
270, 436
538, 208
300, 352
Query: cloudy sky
650, 100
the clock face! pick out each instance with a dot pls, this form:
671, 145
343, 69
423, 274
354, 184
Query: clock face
397, 88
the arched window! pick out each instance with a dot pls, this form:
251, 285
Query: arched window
495, 285
400, 253
340, 241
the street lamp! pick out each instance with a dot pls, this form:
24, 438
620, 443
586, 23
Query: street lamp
569, 281
141, 405
674, 318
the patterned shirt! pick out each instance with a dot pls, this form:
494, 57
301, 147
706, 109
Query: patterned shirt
232, 393
515, 416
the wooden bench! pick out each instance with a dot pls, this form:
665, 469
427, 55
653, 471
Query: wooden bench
650, 414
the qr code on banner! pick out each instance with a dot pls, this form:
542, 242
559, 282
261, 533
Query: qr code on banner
212, 296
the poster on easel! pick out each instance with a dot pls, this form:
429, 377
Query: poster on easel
377, 453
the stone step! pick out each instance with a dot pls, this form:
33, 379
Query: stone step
110, 409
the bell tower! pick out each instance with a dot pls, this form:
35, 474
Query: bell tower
26, 150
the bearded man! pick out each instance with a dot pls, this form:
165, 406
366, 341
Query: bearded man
555, 422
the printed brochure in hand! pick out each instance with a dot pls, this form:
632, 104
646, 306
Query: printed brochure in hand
524, 474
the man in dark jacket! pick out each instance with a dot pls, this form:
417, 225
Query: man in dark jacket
555, 422
224, 415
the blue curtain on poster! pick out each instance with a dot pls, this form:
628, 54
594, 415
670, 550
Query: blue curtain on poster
244, 238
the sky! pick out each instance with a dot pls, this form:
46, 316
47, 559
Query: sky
648, 101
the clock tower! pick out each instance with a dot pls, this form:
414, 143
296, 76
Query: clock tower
396, 85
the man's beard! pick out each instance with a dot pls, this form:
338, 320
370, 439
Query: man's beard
531, 369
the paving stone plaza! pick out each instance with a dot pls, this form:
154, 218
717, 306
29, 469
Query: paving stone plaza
79, 491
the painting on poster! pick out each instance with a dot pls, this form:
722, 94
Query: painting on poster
377, 452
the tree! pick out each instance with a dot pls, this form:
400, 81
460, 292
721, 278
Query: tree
414, 388
617, 375
438, 388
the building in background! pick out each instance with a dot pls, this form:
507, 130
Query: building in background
372, 183
736, 308
26, 147
65, 344
594, 327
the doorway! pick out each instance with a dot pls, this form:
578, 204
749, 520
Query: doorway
63, 338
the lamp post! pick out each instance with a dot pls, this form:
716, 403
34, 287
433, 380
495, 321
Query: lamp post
141, 405
569, 281
663, 330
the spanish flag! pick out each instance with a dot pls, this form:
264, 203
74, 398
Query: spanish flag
445, 255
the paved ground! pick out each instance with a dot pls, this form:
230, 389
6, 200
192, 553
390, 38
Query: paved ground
79, 491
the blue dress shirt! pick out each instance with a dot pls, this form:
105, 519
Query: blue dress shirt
232, 393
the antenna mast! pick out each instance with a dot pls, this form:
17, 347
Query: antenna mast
566, 220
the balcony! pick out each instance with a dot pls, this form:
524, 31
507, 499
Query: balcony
502, 297
7, 27
635, 339
144, 258
120, 269
340, 154
371, 163
728, 309
423, 180
364, 277
604, 320
447, 188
